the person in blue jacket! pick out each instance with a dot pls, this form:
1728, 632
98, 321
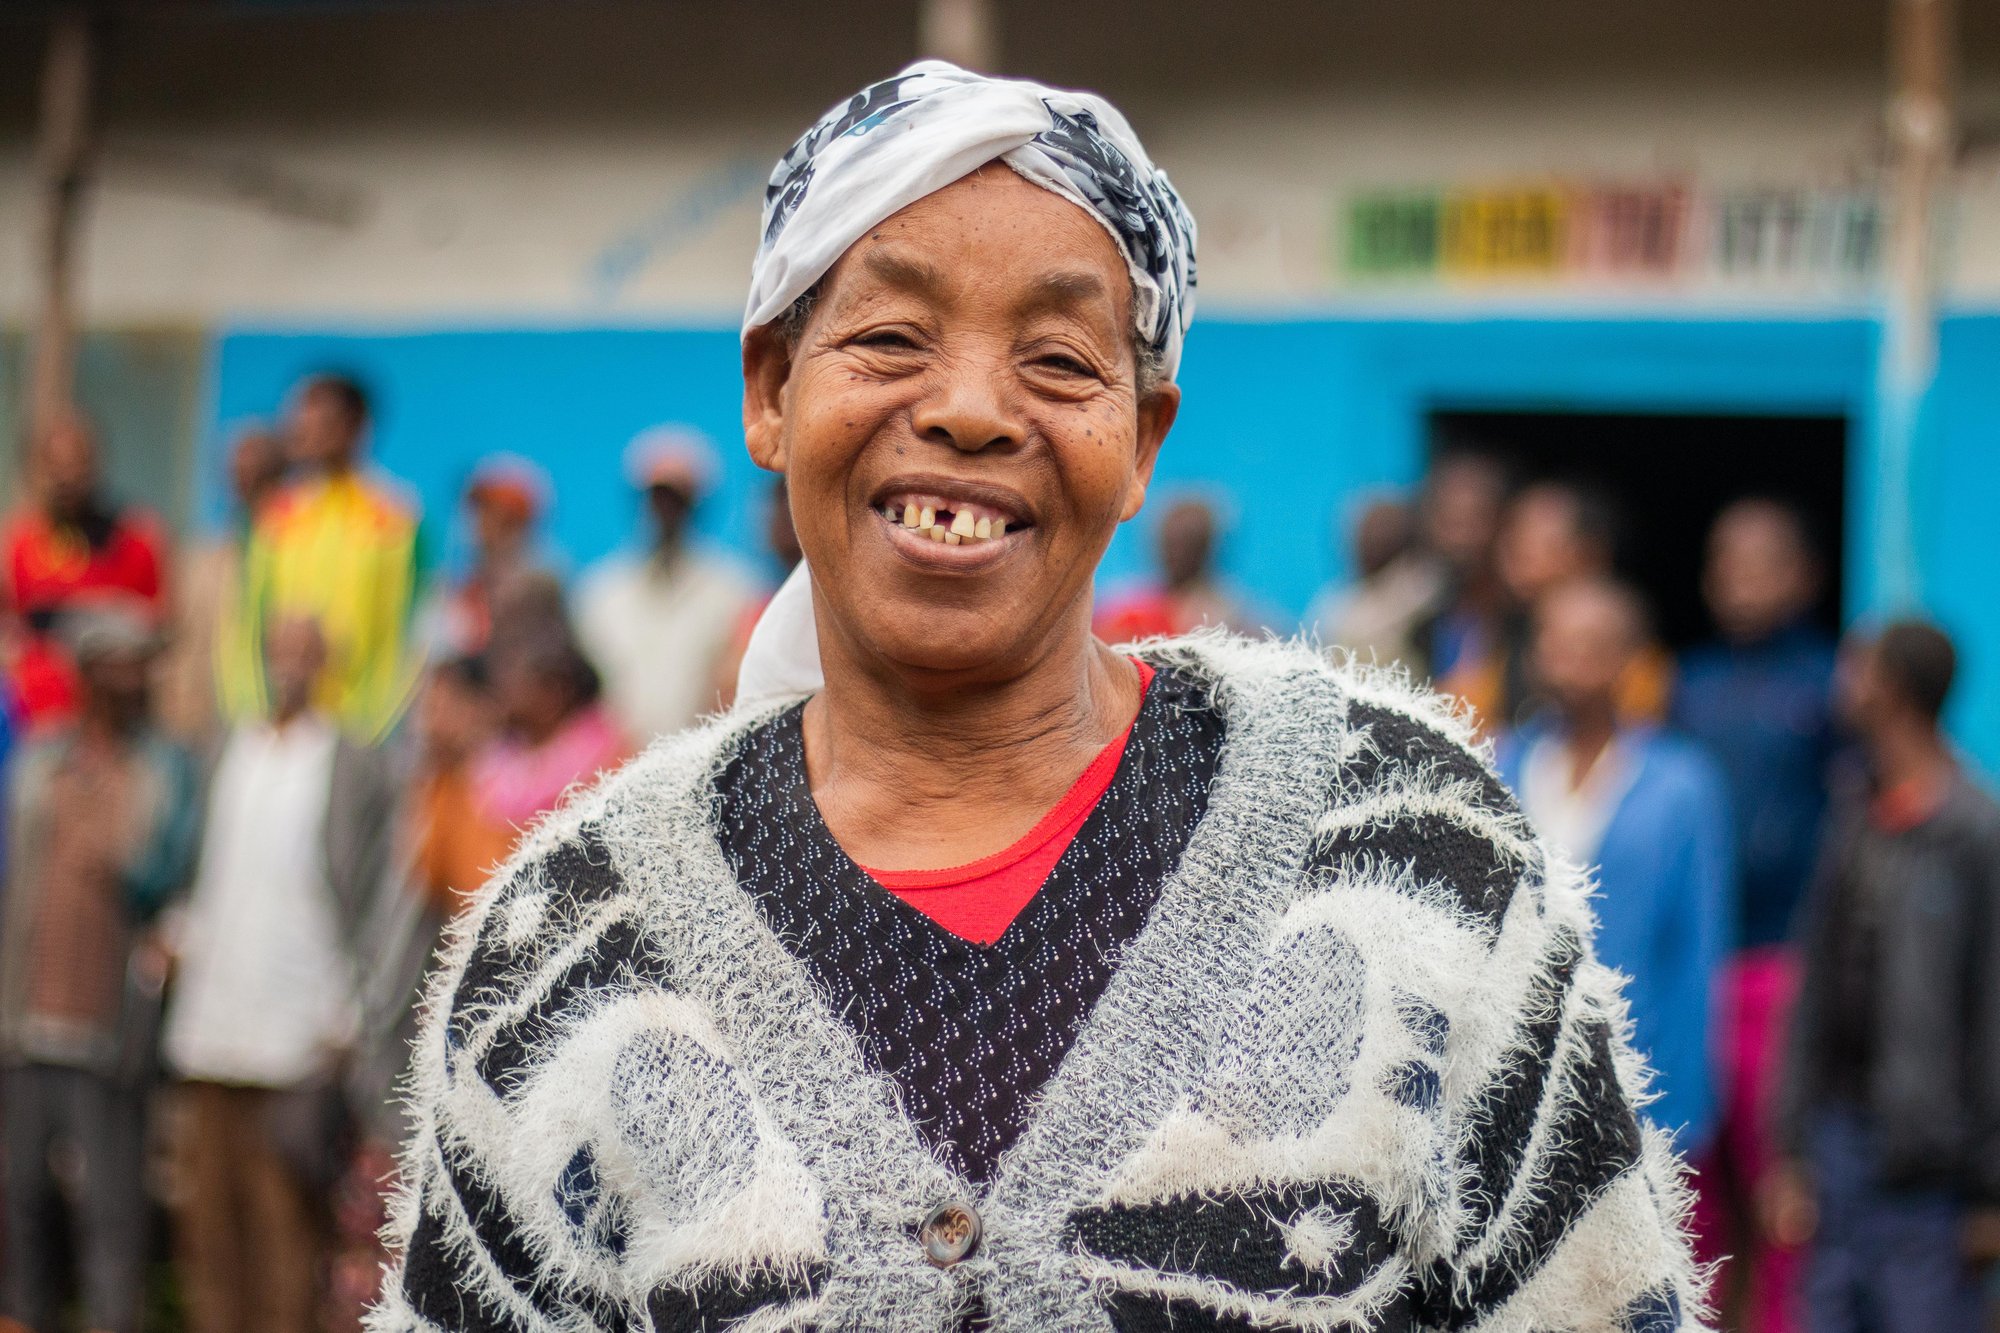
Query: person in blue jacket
1649, 810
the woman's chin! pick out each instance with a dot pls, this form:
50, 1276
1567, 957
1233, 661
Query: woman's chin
957, 641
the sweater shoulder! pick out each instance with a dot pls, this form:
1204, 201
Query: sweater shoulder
1256, 671
1391, 736
1408, 787
567, 881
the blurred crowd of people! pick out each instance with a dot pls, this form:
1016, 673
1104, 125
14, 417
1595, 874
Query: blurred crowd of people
1797, 872
248, 784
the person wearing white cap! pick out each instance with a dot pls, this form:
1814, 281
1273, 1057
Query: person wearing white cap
655, 624
973, 973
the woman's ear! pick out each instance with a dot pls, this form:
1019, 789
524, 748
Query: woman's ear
1157, 411
767, 367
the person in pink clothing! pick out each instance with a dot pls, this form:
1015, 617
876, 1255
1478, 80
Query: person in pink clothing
558, 731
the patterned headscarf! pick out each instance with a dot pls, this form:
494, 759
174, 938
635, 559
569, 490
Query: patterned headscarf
896, 141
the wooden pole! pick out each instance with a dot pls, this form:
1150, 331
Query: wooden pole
63, 156
1922, 135
964, 32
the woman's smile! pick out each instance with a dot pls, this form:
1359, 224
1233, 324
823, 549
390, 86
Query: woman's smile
948, 526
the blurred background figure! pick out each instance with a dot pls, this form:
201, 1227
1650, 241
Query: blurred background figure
1891, 1105
340, 547
1553, 534
781, 541
1550, 534
1760, 699
1396, 581
455, 842
658, 625
102, 821
1190, 591
1458, 510
556, 728
505, 499
265, 1007
69, 546
1651, 812
209, 583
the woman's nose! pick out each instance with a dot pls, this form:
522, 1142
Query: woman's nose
968, 410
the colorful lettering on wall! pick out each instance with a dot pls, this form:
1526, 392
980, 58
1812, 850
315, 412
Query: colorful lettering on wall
1619, 231
1393, 235
1505, 233
1632, 231
1764, 233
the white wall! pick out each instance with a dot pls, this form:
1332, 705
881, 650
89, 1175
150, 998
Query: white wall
505, 166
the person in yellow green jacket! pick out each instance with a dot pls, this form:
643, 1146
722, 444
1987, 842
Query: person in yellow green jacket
338, 546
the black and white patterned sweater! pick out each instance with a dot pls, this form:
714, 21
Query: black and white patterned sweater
1355, 1069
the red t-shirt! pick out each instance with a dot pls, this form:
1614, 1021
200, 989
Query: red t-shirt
979, 900
49, 569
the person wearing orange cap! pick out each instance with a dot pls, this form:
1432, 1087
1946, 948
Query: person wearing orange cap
505, 499
656, 625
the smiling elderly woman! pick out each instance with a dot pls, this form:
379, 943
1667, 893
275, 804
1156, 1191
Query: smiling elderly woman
972, 972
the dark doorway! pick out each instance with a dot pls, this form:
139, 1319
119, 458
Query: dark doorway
1669, 475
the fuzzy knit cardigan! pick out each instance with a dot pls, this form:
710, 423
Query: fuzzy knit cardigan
1359, 1070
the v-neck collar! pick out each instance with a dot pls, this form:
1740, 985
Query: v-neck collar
919, 937
970, 1032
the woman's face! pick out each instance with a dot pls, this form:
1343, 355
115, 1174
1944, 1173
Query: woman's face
969, 361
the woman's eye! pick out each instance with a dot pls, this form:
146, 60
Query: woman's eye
1068, 365
891, 339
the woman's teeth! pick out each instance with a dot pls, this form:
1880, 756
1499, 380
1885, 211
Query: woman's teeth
962, 528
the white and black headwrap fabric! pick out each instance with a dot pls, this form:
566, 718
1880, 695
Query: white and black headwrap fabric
896, 141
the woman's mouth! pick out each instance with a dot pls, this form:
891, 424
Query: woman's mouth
953, 522
925, 526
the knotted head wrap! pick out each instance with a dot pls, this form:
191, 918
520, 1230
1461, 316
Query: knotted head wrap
909, 136
896, 141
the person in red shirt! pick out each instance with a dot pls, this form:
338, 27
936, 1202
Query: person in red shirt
1190, 593
69, 548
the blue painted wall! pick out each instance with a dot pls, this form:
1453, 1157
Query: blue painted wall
1289, 418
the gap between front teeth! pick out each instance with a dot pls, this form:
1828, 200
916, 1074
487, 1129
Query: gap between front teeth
964, 528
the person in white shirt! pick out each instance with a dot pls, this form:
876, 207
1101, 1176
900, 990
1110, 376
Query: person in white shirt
1649, 811
656, 625
1396, 583
264, 1007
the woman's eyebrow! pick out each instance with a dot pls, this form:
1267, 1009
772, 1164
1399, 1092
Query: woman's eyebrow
905, 271
1062, 291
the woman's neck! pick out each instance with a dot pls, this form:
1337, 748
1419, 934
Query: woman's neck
916, 774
